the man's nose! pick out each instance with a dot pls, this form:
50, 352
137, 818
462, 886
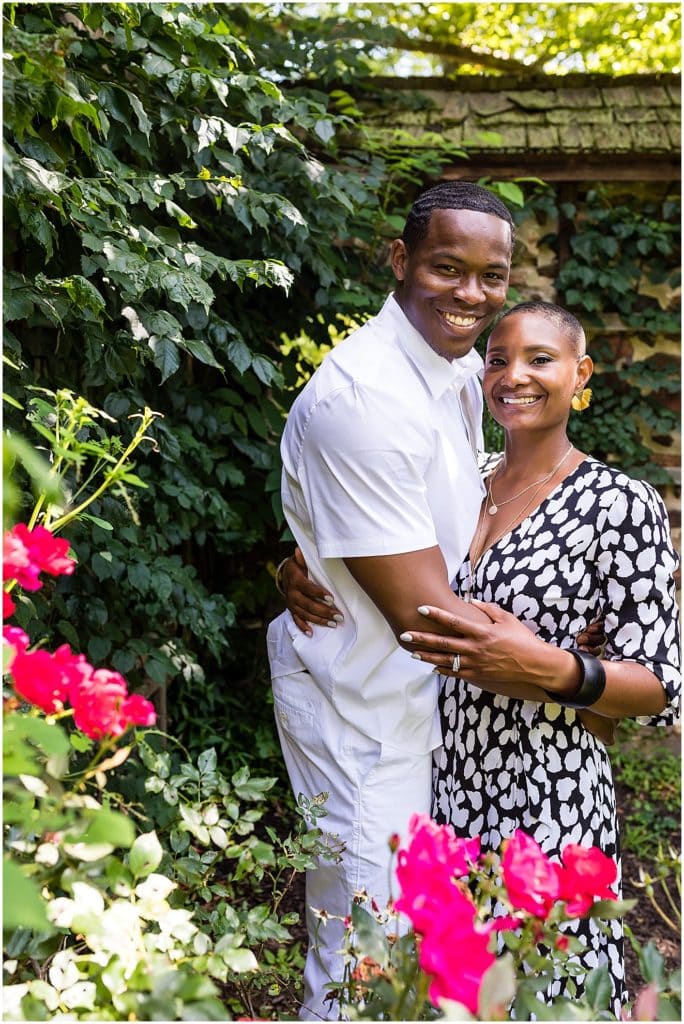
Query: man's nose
469, 289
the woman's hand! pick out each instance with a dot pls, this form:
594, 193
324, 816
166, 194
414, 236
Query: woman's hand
505, 650
307, 602
501, 650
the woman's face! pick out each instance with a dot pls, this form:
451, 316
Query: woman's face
532, 370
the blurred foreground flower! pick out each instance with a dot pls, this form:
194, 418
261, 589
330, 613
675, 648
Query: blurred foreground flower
485, 930
102, 706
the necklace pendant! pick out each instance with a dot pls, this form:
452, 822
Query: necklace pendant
493, 509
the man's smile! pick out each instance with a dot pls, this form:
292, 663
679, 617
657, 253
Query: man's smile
458, 319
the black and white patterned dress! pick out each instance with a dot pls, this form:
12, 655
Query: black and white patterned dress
598, 545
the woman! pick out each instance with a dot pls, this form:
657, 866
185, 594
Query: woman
561, 540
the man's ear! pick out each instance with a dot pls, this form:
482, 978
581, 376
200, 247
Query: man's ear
398, 258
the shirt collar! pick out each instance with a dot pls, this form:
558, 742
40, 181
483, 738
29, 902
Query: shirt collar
439, 374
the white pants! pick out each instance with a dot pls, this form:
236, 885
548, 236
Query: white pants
373, 791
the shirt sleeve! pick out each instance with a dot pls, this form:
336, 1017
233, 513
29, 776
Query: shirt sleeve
362, 465
636, 566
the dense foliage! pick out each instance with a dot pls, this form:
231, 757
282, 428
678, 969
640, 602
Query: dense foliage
171, 211
488, 38
186, 226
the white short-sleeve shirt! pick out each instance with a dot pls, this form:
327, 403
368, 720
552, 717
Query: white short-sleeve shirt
378, 459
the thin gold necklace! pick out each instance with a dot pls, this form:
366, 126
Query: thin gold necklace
496, 505
476, 553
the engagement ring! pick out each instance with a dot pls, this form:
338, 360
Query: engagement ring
456, 663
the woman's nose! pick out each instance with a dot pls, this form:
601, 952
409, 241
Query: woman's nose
515, 373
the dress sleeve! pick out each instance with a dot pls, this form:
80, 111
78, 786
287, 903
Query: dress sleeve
636, 565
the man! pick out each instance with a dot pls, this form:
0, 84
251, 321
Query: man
381, 491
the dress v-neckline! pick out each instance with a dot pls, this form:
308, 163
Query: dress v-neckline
530, 515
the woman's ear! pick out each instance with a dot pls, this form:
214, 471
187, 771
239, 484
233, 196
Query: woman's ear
585, 368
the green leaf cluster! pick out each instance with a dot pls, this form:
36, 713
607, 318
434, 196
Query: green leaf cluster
173, 206
622, 277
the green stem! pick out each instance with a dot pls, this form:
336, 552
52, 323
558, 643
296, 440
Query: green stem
147, 418
104, 748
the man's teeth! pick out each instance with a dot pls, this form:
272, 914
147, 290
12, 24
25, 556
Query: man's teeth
525, 400
459, 321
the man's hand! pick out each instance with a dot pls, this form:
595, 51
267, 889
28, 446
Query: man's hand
592, 639
307, 602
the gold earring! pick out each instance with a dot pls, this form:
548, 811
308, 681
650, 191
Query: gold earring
581, 400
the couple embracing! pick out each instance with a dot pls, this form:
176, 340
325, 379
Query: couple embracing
421, 557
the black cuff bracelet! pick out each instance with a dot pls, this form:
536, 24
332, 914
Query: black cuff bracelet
593, 682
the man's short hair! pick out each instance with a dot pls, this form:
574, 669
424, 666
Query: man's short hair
565, 321
452, 195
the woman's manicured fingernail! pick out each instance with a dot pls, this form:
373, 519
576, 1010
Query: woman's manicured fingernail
309, 632
408, 637
416, 656
331, 624
423, 609
329, 599
338, 617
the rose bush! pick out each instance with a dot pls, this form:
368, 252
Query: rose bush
135, 884
450, 963
150, 933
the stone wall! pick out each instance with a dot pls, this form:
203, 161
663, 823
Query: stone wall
586, 116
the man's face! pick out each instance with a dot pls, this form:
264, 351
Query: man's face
454, 282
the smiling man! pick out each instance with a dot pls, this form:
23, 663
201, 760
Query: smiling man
382, 492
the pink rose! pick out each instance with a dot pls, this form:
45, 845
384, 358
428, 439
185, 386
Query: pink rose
14, 637
427, 867
98, 704
40, 680
8, 605
139, 711
455, 951
17, 564
47, 553
102, 706
531, 879
27, 553
586, 875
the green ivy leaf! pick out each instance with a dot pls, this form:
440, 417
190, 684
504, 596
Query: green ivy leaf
200, 350
166, 357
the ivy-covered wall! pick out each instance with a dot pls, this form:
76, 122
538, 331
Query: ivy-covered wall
600, 235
